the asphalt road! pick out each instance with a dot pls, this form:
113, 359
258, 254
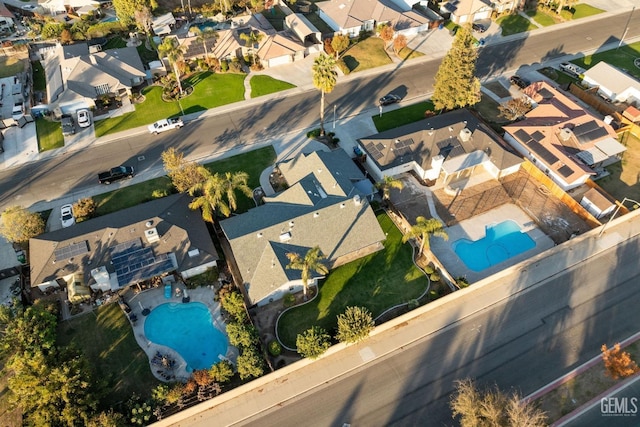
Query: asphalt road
520, 344
76, 171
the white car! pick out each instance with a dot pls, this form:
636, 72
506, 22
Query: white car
28, 7
84, 119
66, 216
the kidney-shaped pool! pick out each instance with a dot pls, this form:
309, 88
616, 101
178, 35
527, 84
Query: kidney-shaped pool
189, 330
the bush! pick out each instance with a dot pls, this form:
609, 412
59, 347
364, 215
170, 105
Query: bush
413, 304
313, 342
434, 277
160, 193
328, 48
354, 324
222, 371
343, 66
289, 300
462, 282
313, 133
429, 269
275, 349
224, 66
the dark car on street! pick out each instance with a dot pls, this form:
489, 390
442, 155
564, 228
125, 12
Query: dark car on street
389, 99
116, 174
519, 81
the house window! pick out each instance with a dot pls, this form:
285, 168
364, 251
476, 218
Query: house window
102, 89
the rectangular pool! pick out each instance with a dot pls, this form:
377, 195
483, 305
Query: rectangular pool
501, 242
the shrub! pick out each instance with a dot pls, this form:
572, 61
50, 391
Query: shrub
233, 303
313, 342
289, 300
275, 349
222, 371
354, 324
462, 282
429, 269
224, 66
328, 48
235, 67
160, 193
313, 133
434, 277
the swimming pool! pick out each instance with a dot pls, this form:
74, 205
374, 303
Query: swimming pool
188, 329
501, 242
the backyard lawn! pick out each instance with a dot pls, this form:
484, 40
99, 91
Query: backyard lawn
513, 24
368, 53
263, 85
49, 134
621, 58
39, 80
106, 338
252, 162
377, 282
210, 91
401, 116
623, 181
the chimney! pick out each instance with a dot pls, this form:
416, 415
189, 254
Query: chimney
465, 135
565, 134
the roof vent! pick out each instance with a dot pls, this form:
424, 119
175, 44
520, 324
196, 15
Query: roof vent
193, 253
356, 200
285, 237
152, 235
342, 205
316, 215
290, 223
259, 235
465, 135
565, 134
148, 223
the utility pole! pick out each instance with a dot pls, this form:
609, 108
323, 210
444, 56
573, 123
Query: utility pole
626, 28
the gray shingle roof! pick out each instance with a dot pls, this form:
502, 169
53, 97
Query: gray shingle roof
180, 230
296, 221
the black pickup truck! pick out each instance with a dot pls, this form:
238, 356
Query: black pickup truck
115, 174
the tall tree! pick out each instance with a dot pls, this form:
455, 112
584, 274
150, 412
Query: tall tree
325, 78
354, 324
183, 174
456, 85
340, 43
399, 43
250, 364
211, 192
387, 184
126, 10
19, 225
424, 229
251, 39
203, 36
313, 261
171, 49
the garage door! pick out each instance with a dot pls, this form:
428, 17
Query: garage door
280, 60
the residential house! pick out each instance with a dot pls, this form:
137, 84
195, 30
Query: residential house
163, 24
76, 76
7, 19
60, 6
445, 147
613, 83
463, 11
562, 139
351, 17
123, 248
325, 205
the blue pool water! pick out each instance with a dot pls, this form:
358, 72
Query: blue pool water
501, 242
189, 330
110, 19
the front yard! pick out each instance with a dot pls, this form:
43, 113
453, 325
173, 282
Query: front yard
210, 90
252, 162
622, 58
106, 338
377, 282
264, 85
401, 116
366, 54
49, 134
513, 24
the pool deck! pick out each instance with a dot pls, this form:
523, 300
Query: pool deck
474, 229
152, 298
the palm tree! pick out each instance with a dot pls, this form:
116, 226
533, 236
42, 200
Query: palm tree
324, 79
230, 183
424, 229
174, 53
251, 39
208, 194
312, 261
387, 183
204, 35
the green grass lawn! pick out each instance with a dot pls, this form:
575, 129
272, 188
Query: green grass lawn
49, 134
39, 80
558, 76
252, 162
377, 282
541, 17
366, 54
275, 16
263, 85
210, 91
106, 338
401, 116
10, 66
115, 43
407, 53
621, 58
513, 24
583, 10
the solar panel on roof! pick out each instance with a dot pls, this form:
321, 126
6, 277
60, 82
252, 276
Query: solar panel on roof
585, 128
538, 136
593, 135
565, 171
134, 263
542, 152
522, 135
380, 146
71, 250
